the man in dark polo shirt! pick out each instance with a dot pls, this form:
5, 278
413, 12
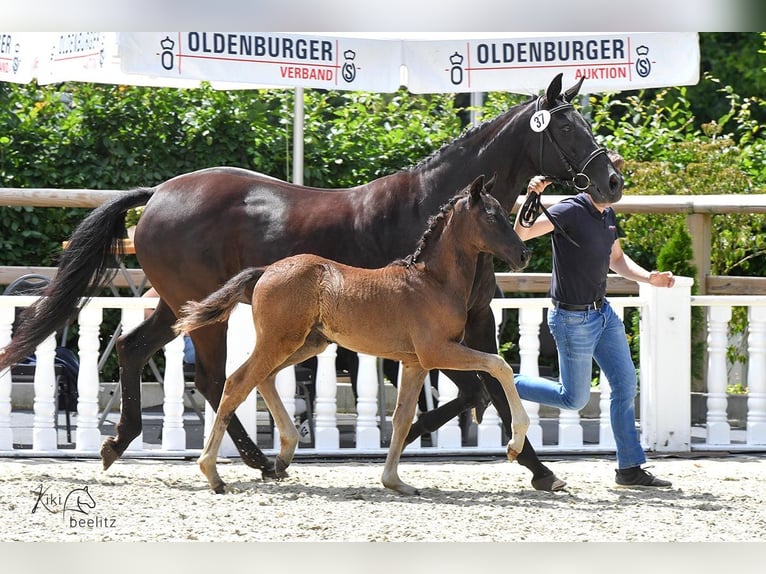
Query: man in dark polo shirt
584, 325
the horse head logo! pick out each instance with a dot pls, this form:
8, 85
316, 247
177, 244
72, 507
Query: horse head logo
78, 500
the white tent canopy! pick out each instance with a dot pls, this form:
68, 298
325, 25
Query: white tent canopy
424, 63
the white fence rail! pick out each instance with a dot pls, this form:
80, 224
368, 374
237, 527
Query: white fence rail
665, 417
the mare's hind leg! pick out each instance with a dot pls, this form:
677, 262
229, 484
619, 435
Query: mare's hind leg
134, 350
413, 377
209, 377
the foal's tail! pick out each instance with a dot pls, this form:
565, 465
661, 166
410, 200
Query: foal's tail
86, 264
216, 307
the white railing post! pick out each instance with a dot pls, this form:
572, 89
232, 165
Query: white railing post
718, 428
7, 315
450, 435
173, 433
367, 430
529, 356
88, 435
605, 432
44, 434
666, 366
240, 341
285, 383
756, 376
326, 408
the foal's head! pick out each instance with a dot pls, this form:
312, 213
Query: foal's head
481, 223
488, 226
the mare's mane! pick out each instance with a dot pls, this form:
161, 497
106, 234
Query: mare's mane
467, 133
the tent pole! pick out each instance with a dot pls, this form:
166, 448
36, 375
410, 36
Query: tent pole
298, 138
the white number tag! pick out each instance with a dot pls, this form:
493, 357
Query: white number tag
540, 120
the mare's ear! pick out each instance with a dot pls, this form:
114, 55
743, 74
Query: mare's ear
490, 184
554, 90
574, 90
475, 189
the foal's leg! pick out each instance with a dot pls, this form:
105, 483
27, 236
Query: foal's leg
235, 390
209, 377
413, 377
288, 435
455, 356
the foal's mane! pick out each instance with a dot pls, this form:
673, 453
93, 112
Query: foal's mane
434, 228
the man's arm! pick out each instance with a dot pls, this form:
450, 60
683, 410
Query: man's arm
620, 263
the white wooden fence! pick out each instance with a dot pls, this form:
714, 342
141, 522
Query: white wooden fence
665, 388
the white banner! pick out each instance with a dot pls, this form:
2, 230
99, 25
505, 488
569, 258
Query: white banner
525, 64
18, 57
265, 59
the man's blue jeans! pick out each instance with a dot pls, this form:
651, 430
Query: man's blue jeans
581, 337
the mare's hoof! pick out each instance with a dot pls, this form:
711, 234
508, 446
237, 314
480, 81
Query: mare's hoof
551, 483
512, 454
274, 470
108, 453
256, 460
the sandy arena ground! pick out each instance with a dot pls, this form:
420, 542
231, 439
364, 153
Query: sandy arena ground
721, 498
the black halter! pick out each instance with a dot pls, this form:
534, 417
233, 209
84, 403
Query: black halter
578, 178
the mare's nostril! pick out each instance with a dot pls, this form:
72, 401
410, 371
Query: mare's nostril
616, 182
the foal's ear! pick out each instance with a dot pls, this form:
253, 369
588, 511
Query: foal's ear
554, 90
475, 189
570, 94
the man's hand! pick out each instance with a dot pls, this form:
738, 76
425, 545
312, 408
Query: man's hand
538, 184
662, 279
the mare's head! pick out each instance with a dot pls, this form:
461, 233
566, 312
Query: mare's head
487, 226
567, 151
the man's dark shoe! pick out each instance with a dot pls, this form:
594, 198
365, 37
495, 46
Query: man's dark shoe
637, 476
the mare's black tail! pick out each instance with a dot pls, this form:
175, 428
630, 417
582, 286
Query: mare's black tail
86, 264
216, 307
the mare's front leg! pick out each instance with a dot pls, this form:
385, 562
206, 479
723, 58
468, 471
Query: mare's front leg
134, 349
413, 377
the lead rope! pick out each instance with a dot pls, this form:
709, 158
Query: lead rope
531, 210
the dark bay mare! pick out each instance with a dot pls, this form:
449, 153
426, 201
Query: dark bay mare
200, 229
413, 310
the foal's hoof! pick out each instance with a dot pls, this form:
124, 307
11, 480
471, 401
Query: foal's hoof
550, 483
281, 470
108, 453
220, 488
